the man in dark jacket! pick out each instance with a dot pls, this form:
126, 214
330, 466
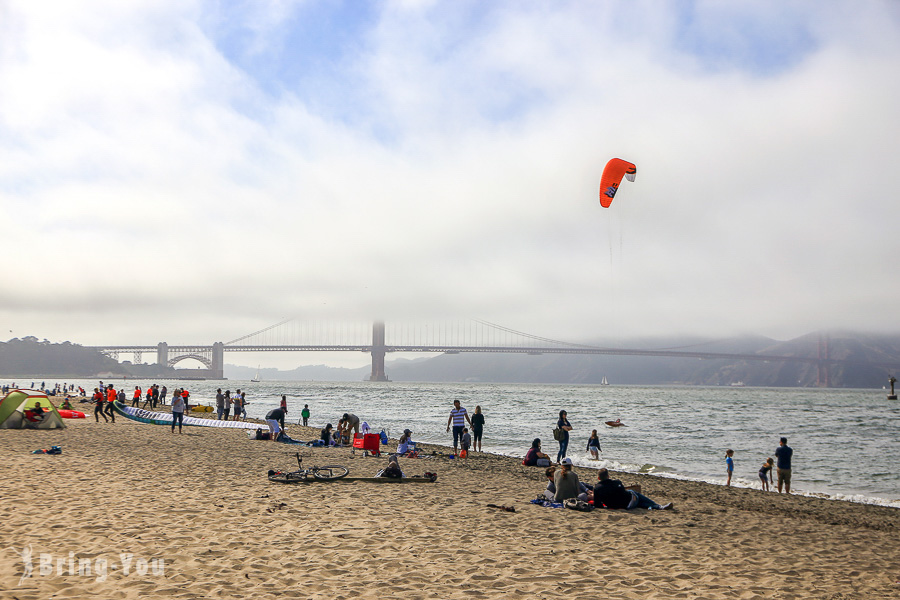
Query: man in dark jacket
612, 494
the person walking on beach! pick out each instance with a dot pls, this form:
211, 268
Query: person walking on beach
149, 398
99, 402
162, 395
110, 398
243, 396
226, 405
137, 396
783, 456
765, 470
155, 396
284, 403
458, 417
179, 403
564, 428
304, 414
729, 465
477, 429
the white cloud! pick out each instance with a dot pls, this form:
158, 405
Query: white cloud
162, 192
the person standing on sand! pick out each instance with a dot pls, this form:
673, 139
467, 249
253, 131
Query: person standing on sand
226, 406
236, 401
458, 417
178, 407
220, 403
162, 395
304, 414
565, 427
137, 396
766, 469
783, 456
593, 445
477, 429
284, 403
155, 396
729, 465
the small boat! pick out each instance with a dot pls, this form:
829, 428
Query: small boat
604, 381
737, 384
256, 379
616, 423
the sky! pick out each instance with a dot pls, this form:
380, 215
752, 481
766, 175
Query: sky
192, 171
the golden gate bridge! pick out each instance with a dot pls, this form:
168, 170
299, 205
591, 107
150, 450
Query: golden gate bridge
379, 338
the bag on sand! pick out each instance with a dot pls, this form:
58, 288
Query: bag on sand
576, 504
543, 462
557, 434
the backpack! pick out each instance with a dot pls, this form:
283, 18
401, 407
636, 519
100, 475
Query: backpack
384, 437
557, 434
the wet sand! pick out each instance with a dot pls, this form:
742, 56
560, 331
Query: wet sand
202, 503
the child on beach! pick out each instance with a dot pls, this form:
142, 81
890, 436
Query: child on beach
729, 464
465, 442
593, 445
766, 469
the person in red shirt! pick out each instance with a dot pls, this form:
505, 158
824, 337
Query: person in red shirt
137, 396
110, 398
98, 405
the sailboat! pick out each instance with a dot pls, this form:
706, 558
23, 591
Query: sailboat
256, 379
604, 381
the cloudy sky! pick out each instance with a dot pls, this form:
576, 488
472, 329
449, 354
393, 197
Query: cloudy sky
190, 171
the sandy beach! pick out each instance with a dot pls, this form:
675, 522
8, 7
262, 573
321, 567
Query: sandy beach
201, 503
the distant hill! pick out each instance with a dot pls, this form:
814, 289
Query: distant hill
871, 353
27, 357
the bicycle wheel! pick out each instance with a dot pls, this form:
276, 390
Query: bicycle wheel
330, 472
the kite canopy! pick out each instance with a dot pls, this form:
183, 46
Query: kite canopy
612, 176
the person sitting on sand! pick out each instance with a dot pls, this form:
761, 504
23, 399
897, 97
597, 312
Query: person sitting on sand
585, 492
612, 494
534, 453
35, 414
566, 481
66, 405
393, 468
326, 435
403, 444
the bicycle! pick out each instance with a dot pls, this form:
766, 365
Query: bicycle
301, 475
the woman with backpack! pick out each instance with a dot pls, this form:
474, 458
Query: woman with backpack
561, 434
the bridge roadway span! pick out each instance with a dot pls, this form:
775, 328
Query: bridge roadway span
212, 357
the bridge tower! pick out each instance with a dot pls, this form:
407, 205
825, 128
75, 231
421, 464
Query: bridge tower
378, 351
162, 354
218, 361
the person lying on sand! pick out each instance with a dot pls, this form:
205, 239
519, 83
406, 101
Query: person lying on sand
612, 494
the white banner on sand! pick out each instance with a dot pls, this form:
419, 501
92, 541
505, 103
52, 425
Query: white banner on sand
161, 418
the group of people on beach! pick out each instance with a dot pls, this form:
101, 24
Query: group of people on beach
225, 403
781, 464
105, 395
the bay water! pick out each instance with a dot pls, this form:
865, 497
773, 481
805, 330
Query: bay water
845, 442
